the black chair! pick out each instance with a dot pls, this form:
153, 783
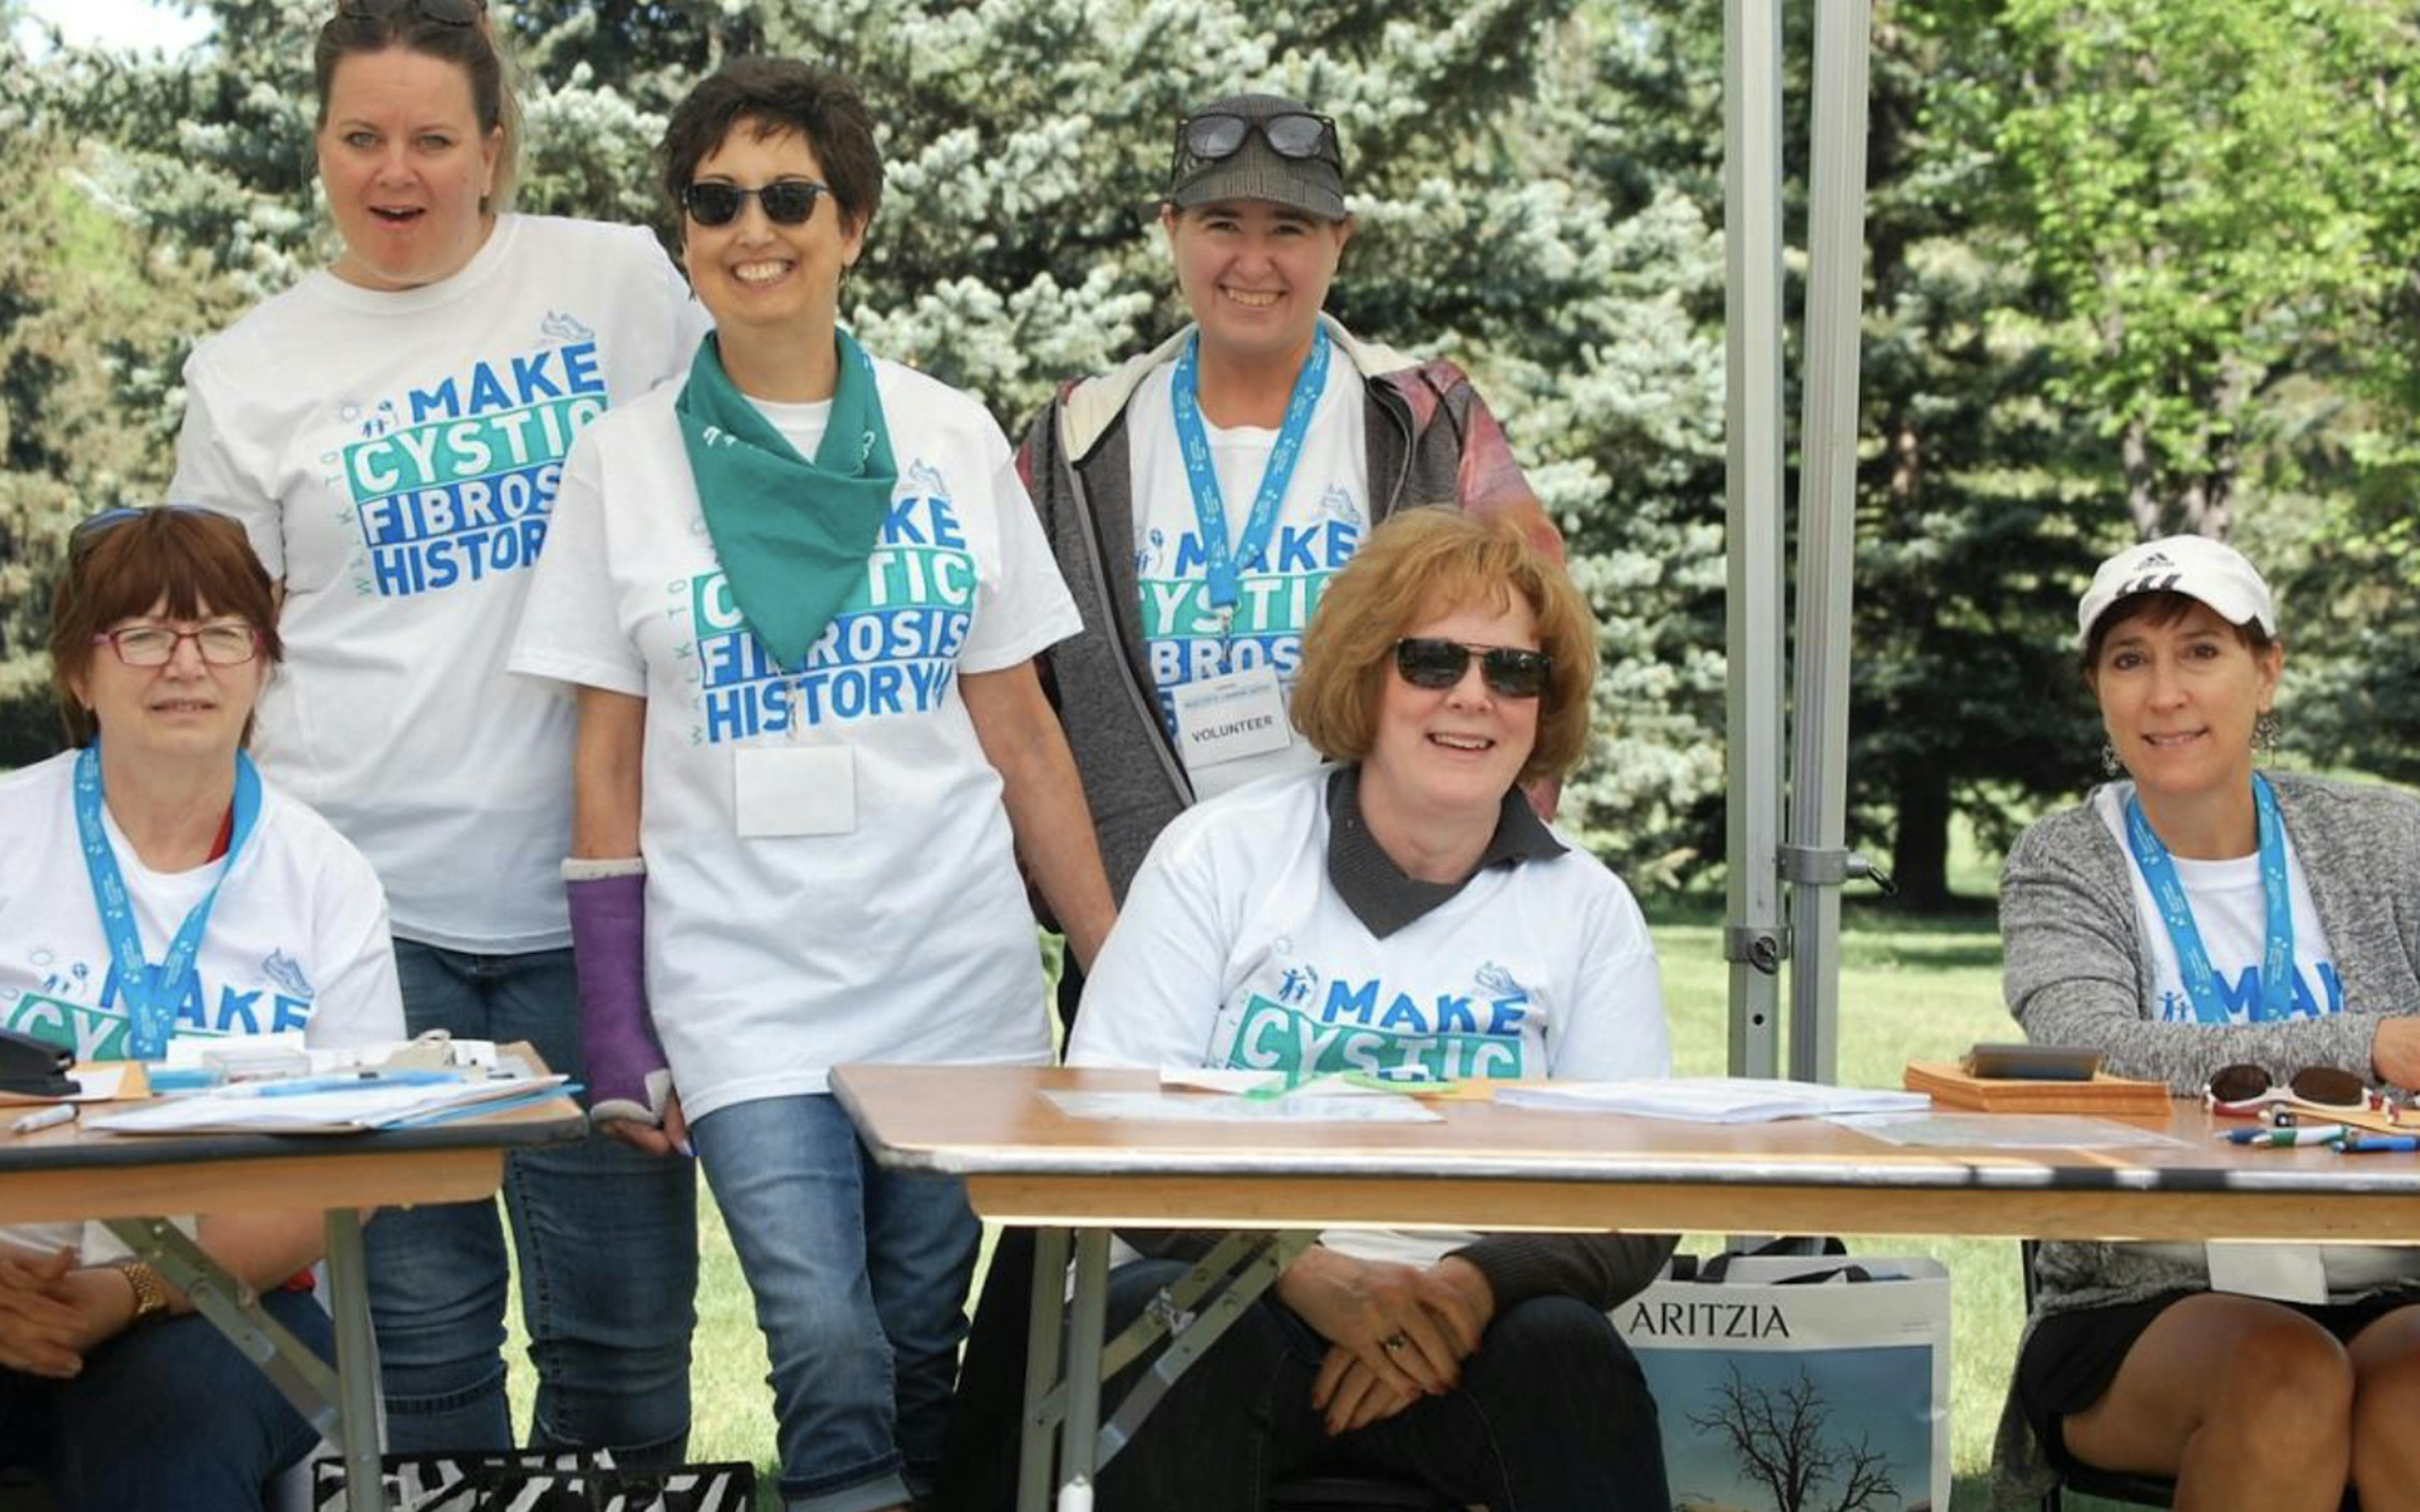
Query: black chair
2115, 1484
1354, 1493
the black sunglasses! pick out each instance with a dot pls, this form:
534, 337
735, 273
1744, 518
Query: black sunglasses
1215, 136
787, 201
443, 12
1428, 662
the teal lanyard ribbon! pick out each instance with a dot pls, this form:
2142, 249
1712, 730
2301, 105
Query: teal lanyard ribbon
792, 536
151, 993
1209, 505
2176, 912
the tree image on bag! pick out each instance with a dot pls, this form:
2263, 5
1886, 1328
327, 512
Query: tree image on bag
1782, 1434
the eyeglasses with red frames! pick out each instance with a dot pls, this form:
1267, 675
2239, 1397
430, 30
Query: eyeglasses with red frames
225, 643
2245, 1091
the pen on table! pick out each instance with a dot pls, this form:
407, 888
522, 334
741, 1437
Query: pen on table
2374, 1144
2315, 1133
50, 1117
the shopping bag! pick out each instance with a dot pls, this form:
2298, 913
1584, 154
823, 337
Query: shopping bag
541, 1481
1798, 1383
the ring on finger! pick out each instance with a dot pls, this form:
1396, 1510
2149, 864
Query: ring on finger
1396, 1343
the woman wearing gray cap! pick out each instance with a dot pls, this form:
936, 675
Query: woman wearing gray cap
2227, 931
1200, 497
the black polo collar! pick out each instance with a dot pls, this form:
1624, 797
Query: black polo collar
1381, 896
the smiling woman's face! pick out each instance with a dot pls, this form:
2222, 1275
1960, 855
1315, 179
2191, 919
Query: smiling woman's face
187, 707
406, 168
2179, 700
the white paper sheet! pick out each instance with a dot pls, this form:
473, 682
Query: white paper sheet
1711, 1099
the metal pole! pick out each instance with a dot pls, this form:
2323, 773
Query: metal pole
1815, 859
1755, 940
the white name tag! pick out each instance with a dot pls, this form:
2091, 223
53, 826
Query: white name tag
778, 791
1225, 719
2284, 1273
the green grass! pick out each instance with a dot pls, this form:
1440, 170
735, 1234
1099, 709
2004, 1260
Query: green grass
1910, 989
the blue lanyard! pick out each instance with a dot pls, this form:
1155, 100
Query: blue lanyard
151, 993
2176, 911
1209, 505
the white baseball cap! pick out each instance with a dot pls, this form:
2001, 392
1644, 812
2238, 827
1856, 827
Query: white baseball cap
2194, 566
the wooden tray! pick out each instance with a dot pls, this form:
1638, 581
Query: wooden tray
1950, 1086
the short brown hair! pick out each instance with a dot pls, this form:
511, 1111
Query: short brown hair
2159, 608
1418, 563
123, 563
472, 49
776, 97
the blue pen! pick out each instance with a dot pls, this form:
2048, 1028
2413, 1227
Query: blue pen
2374, 1144
349, 1081
2316, 1133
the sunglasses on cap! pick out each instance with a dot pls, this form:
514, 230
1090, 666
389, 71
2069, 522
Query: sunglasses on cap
443, 12
787, 201
1426, 661
2243, 1091
1218, 135
93, 527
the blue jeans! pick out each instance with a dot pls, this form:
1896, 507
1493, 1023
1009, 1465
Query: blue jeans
860, 1277
608, 1243
1552, 1414
169, 1417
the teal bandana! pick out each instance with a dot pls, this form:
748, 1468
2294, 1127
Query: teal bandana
792, 536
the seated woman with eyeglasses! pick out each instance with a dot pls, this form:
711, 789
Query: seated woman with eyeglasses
1403, 912
157, 888
2225, 930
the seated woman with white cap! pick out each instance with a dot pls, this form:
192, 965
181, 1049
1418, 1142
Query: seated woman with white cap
2225, 930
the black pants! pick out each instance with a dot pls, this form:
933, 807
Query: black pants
1552, 1416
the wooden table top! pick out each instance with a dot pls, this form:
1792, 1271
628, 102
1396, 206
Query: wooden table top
1486, 1166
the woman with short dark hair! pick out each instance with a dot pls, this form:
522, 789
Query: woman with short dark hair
158, 890
2204, 922
1448, 662
800, 594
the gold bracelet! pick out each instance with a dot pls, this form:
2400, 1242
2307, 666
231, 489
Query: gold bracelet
150, 1293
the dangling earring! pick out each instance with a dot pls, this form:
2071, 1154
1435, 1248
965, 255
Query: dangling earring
2109, 761
2264, 732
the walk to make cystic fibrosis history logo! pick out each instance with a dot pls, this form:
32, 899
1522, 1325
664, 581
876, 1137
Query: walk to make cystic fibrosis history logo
1317, 1026
277, 999
1189, 638
453, 483
891, 649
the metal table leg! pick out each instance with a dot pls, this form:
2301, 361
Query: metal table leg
349, 1284
1045, 1401
1079, 1433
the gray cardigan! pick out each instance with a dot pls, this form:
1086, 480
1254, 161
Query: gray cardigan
2077, 972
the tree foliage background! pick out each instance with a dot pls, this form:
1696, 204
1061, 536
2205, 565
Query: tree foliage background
2132, 265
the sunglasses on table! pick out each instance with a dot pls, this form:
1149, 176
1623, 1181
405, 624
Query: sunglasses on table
1428, 662
2245, 1091
1217, 135
787, 201
443, 12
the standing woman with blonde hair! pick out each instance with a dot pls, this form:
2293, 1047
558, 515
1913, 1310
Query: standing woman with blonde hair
390, 432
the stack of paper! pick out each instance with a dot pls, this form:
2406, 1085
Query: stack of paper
345, 1103
1709, 1099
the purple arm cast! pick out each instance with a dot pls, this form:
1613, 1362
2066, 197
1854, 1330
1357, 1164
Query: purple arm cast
628, 1075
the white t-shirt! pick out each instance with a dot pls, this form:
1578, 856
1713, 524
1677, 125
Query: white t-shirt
1235, 951
1320, 525
296, 940
394, 457
2232, 913
771, 960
